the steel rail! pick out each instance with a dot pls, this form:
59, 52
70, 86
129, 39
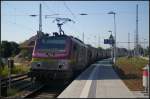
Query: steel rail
32, 93
14, 79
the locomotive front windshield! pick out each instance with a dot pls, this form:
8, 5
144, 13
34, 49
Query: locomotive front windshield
51, 44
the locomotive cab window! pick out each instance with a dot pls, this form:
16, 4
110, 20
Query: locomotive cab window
51, 44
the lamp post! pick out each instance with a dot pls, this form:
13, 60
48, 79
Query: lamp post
111, 12
144, 47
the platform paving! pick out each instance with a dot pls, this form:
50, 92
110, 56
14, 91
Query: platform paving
109, 85
98, 81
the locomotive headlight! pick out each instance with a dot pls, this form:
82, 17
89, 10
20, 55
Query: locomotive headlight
39, 64
35, 65
63, 64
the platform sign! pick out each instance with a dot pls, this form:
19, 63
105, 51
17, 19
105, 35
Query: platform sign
106, 41
109, 41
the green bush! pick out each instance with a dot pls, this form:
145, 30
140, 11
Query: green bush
4, 71
12, 91
1, 63
19, 69
134, 61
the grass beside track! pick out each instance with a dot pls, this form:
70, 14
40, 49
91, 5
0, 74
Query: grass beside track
130, 71
18, 69
11, 92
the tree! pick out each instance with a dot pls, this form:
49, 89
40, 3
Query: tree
5, 49
1, 63
8, 49
100, 48
147, 51
15, 48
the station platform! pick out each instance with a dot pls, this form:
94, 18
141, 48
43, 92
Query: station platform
98, 81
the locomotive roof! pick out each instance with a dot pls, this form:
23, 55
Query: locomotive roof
74, 39
78, 41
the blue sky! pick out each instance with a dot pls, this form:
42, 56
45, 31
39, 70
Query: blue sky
18, 26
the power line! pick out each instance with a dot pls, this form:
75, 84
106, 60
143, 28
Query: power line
48, 7
74, 14
74, 29
22, 26
131, 42
67, 7
69, 10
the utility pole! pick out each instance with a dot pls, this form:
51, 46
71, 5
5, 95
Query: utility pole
144, 47
136, 37
135, 43
40, 18
129, 44
40, 33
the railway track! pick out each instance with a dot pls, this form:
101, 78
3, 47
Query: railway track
28, 89
32, 91
18, 82
13, 79
37, 90
50, 91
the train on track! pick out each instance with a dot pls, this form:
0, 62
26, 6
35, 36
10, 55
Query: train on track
62, 56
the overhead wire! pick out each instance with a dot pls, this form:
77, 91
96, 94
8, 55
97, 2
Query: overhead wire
74, 29
22, 26
66, 6
89, 14
48, 7
69, 10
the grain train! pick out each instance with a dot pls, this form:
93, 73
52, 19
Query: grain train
62, 56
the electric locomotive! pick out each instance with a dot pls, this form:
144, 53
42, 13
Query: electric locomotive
58, 57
